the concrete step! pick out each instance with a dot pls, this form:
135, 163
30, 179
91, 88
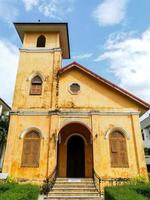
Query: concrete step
73, 189
82, 185
74, 182
73, 198
77, 194
74, 179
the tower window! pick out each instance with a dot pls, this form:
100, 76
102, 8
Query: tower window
41, 41
36, 86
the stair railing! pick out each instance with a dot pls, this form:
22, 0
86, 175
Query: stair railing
49, 182
100, 183
97, 181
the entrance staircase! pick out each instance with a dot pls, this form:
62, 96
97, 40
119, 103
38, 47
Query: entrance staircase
73, 189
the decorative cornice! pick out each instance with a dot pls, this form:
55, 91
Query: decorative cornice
73, 113
40, 50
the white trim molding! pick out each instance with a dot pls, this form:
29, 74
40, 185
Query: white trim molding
36, 73
33, 128
40, 50
117, 129
75, 134
73, 113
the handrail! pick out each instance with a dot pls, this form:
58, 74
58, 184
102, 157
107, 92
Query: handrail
100, 183
52, 174
97, 181
49, 182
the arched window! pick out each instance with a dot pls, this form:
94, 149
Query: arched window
31, 150
36, 86
41, 41
118, 150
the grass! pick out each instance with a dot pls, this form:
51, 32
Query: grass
15, 191
128, 192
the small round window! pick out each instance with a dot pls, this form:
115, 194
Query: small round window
74, 88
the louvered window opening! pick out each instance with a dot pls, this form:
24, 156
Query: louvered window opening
31, 150
118, 150
36, 86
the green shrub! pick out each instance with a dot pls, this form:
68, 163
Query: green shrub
14, 191
138, 180
128, 192
149, 177
11, 179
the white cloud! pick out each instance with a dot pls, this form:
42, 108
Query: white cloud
8, 10
8, 69
82, 56
29, 4
129, 59
110, 12
57, 9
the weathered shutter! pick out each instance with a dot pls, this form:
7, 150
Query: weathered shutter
27, 153
114, 146
35, 152
118, 150
36, 86
36, 89
31, 150
114, 152
123, 158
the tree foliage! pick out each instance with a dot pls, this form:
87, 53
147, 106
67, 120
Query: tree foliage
4, 122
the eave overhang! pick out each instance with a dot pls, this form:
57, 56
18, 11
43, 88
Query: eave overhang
61, 28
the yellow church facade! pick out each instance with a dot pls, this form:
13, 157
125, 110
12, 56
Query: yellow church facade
69, 119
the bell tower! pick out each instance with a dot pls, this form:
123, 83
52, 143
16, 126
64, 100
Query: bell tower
44, 45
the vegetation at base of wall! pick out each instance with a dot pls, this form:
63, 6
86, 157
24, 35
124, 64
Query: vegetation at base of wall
15, 191
46, 187
149, 177
138, 180
128, 192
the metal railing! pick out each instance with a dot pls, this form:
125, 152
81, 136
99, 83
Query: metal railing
101, 183
49, 182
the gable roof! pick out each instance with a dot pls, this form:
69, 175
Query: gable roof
145, 123
103, 80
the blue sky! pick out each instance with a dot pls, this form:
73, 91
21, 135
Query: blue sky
110, 37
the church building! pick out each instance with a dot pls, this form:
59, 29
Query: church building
69, 119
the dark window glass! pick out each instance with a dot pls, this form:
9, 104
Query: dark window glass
41, 41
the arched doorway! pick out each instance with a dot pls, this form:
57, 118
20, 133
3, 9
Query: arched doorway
75, 157
75, 151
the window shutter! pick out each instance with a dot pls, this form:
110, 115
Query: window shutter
26, 156
123, 153
114, 146
36, 86
36, 89
36, 152
31, 150
114, 152
118, 150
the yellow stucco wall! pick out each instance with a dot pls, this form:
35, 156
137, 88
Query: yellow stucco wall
97, 106
52, 39
92, 95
